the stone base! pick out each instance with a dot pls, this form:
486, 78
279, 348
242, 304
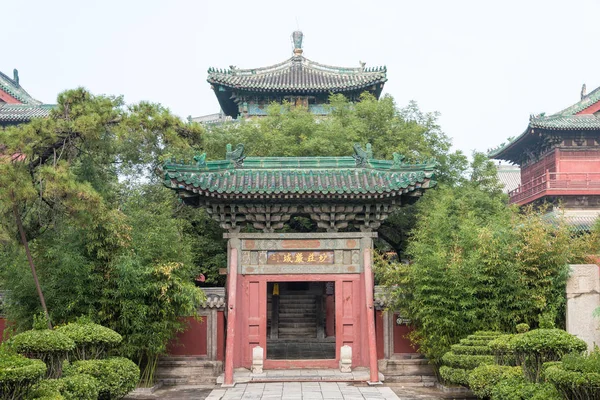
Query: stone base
408, 372
187, 370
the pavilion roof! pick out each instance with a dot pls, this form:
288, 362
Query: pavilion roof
298, 75
240, 177
14, 89
577, 117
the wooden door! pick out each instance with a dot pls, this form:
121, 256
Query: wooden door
347, 299
256, 320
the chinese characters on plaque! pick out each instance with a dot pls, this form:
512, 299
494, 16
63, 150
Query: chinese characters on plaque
300, 257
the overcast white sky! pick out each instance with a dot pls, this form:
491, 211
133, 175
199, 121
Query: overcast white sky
484, 65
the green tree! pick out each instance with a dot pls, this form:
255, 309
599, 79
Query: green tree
477, 264
103, 232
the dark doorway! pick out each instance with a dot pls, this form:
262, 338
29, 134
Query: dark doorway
300, 320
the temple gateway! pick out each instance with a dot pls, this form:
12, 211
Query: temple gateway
300, 300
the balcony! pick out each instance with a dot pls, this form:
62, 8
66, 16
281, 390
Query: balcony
556, 184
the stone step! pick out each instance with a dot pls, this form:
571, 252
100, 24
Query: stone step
297, 306
297, 332
297, 324
187, 370
296, 315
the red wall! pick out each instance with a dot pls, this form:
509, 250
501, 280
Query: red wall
221, 336
2, 327
579, 161
192, 341
401, 342
379, 334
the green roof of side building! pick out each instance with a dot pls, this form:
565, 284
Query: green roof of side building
27, 108
571, 119
246, 178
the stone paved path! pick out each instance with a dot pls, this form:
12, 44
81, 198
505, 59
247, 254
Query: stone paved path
303, 391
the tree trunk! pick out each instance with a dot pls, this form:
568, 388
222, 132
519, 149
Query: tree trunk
30, 260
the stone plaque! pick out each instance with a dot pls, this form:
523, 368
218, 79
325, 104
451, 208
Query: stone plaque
300, 257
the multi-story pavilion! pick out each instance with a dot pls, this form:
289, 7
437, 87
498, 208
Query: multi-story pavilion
297, 80
16, 105
559, 156
273, 273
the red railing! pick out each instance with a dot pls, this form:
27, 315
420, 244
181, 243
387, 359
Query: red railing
562, 182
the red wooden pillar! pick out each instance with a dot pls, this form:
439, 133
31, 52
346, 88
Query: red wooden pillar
231, 309
374, 372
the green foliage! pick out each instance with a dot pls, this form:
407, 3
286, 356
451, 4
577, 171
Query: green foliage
503, 350
92, 341
50, 346
478, 264
534, 348
73, 387
483, 378
466, 361
18, 374
577, 376
116, 376
469, 354
522, 328
521, 389
458, 376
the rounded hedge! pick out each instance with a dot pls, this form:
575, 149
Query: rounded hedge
42, 341
503, 350
483, 378
471, 352
18, 374
457, 376
466, 361
116, 376
532, 349
48, 345
521, 389
576, 377
554, 342
92, 341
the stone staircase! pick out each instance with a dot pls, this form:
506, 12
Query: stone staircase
411, 371
187, 370
297, 316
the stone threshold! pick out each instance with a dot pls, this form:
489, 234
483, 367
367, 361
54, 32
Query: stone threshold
242, 375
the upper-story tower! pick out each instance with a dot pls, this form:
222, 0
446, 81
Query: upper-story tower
297, 80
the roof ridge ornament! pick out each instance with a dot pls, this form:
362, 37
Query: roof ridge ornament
236, 156
297, 37
583, 91
361, 156
200, 160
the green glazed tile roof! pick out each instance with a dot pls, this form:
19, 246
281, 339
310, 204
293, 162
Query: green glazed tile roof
565, 120
298, 74
11, 87
13, 113
300, 176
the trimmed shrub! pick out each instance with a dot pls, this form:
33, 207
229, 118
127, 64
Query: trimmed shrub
468, 354
92, 341
47, 345
457, 376
18, 374
522, 328
503, 351
576, 377
520, 389
532, 349
483, 378
116, 376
